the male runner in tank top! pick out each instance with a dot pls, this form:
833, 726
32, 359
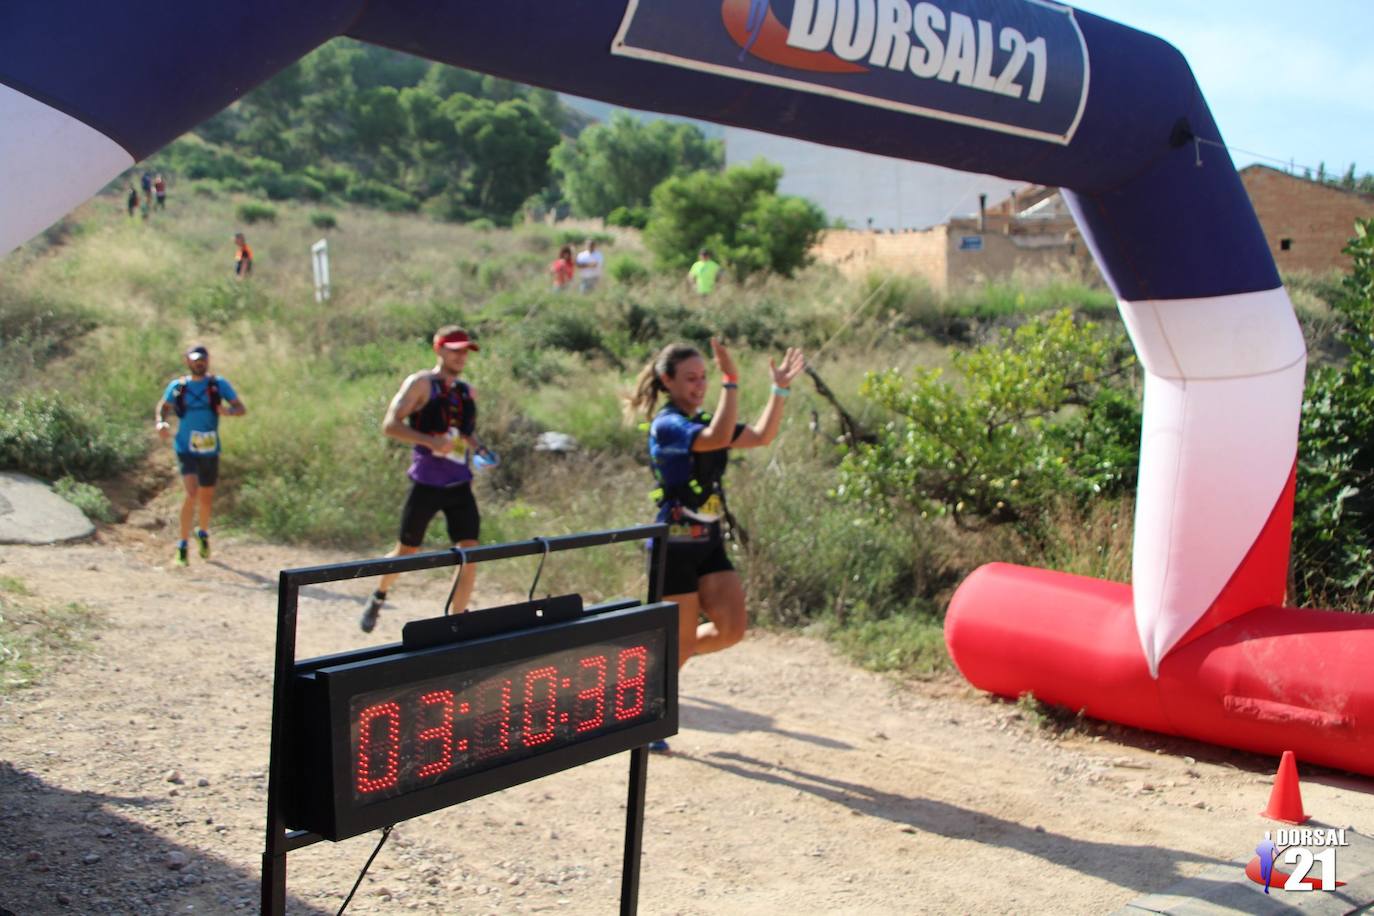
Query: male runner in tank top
435, 412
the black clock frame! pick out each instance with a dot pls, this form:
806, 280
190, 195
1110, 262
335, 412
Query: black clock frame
515, 633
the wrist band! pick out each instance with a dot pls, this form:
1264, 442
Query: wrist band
780, 391
729, 386
728, 379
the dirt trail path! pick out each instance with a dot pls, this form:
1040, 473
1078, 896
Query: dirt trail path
133, 780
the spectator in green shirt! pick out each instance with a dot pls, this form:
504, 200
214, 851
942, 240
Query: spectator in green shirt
704, 272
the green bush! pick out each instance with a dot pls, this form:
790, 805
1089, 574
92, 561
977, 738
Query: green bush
52, 437
291, 186
89, 499
372, 193
322, 220
254, 212
1002, 445
335, 178
1333, 518
626, 269
628, 217
573, 332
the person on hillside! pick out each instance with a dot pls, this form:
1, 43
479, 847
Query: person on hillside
146, 181
132, 201
702, 275
688, 452
160, 190
243, 257
562, 269
589, 265
197, 400
436, 412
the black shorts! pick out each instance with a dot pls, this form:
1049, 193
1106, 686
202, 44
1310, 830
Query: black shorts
457, 504
205, 468
688, 561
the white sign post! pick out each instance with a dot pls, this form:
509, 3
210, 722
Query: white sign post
319, 254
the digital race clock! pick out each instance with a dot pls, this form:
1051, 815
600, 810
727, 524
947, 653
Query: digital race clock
382, 735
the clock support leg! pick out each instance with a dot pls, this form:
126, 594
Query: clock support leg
634, 831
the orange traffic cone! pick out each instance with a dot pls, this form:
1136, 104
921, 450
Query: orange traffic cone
1285, 801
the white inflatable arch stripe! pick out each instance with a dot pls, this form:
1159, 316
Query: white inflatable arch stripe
1223, 391
52, 164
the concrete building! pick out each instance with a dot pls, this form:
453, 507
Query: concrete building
1032, 230
1306, 223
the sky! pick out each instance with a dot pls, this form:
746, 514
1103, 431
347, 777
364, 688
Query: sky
1289, 81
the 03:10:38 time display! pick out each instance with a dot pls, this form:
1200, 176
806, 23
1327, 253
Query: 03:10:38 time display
425, 733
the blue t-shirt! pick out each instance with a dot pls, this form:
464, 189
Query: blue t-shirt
198, 430
671, 435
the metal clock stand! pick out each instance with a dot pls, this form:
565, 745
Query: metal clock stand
284, 772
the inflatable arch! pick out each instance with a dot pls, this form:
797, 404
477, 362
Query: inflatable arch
1028, 89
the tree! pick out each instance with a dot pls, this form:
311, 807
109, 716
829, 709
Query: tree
738, 215
620, 163
507, 146
1333, 515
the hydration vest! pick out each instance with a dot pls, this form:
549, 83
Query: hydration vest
708, 470
179, 395
447, 408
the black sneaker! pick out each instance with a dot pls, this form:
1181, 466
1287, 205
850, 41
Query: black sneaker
180, 558
204, 538
369, 619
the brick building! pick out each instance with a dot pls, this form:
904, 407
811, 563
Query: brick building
1305, 222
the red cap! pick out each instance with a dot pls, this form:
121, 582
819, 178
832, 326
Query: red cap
454, 340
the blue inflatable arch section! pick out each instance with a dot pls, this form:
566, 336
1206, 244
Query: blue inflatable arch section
1025, 89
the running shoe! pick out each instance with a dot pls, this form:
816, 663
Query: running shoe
369, 619
180, 559
659, 746
204, 538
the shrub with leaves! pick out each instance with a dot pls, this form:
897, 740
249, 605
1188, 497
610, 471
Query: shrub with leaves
1043, 413
253, 212
1333, 518
54, 437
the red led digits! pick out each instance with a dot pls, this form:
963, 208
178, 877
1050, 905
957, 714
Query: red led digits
443, 732
549, 701
630, 687
593, 696
492, 733
392, 713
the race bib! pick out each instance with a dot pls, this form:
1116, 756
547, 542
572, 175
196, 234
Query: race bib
712, 509
459, 455
205, 442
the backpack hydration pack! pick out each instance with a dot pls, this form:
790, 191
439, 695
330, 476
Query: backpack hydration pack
179, 395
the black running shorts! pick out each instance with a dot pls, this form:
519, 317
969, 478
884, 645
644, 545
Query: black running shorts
457, 504
204, 468
688, 561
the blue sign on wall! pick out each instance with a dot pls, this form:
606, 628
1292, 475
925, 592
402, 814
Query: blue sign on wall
1014, 66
